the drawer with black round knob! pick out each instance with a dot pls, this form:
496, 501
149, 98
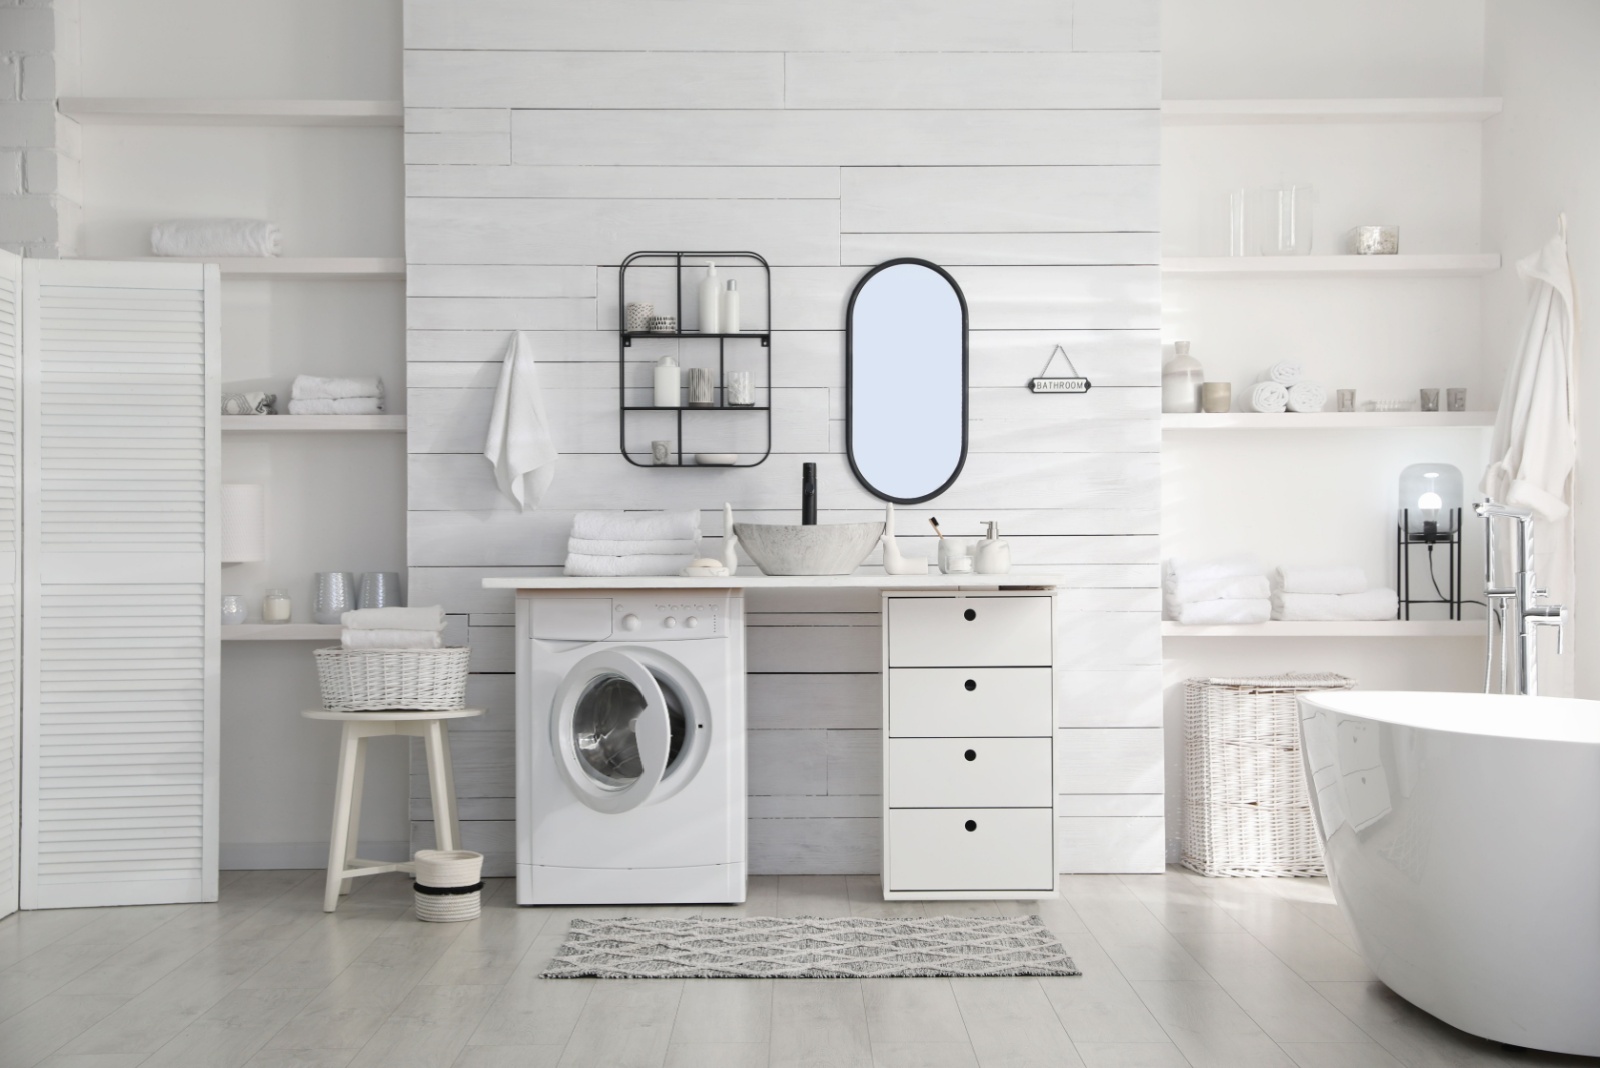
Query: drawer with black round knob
951, 702
949, 850
1013, 631
994, 772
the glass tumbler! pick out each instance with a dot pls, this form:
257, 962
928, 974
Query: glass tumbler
1286, 220
380, 589
335, 595
233, 610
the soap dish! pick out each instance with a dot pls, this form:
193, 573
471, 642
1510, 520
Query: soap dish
716, 459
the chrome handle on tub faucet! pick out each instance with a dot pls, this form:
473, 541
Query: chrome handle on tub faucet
1551, 615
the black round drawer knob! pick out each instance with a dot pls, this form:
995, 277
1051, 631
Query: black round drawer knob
972, 754
972, 825
970, 614
971, 684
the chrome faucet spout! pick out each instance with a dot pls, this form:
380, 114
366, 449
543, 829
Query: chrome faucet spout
1517, 605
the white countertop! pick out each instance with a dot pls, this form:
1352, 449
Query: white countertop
872, 580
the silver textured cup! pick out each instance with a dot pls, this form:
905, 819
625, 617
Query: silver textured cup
638, 317
1455, 399
1429, 399
335, 595
380, 589
1347, 400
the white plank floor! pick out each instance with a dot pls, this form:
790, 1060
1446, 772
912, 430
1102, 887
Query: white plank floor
1178, 970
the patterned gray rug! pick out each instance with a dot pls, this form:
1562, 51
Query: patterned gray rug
808, 947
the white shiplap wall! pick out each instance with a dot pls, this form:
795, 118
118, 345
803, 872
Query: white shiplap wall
1015, 142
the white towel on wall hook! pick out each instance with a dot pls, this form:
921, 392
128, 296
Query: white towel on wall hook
519, 444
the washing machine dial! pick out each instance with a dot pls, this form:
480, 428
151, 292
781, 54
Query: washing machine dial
630, 622
670, 622
692, 622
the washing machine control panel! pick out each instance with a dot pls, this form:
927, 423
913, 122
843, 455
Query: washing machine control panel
667, 620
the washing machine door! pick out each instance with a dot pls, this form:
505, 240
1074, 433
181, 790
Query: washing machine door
612, 726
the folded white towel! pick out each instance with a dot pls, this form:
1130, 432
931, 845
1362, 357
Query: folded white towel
661, 547
581, 564
636, 526
520, 444
1224, 588
1239, 565
215, 237
310, 387
1373, 604
1285, 372
427, 617
1307, 397
391, 639
1204, 613
344, 406
1269, 397
1320, 578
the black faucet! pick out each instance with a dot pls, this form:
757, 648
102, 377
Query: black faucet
808, 495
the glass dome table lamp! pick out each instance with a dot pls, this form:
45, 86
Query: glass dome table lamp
1430, 500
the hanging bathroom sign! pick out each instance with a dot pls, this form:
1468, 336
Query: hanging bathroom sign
1045, 383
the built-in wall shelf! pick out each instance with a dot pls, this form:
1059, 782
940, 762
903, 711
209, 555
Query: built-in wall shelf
209, 111
1422, 265
307, 424
1327, 421
301, 268
1387, 628
281, 632
1376, 109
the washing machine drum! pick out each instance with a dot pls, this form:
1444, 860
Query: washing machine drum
622, 723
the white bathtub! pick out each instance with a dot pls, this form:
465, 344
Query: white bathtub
1463, 838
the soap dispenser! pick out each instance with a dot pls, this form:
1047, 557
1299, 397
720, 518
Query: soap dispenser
730, 307
668, 383
1180, 381
710, 301
994, 554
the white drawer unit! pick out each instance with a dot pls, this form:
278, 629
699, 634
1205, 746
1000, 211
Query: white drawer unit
969, 720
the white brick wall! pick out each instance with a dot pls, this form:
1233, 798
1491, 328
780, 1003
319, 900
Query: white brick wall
40, 198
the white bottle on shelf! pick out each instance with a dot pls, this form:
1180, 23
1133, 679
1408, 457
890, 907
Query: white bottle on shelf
710, 301
1180, 381
668, 382
730, 307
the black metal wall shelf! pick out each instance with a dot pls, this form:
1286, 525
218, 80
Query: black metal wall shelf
674, 261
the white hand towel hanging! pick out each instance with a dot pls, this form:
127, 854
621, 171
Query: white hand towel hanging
519, 444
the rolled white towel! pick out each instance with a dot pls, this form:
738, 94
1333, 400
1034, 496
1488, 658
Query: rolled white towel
343, 406
616, 566
1307, 397
1372, 604
1227, 588
391, 639
1320, 578
1285, 372
310, 387
603, 547
1204, 613
636, 526
1269, 397
426, 617
215, 237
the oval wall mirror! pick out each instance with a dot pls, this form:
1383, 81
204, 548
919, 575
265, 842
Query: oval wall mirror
906, 380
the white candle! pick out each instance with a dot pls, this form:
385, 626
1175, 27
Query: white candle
276, 607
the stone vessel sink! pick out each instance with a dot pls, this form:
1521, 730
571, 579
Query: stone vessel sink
824, 549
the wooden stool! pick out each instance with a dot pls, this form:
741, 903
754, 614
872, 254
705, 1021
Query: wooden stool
343, 864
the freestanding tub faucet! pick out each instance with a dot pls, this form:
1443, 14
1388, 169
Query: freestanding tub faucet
1517, 606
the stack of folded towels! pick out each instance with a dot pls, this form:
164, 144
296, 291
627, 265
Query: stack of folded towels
311, 395
632, 543
1329, 592
394, 628
1229, 590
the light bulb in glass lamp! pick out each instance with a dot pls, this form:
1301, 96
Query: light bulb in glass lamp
1430, 497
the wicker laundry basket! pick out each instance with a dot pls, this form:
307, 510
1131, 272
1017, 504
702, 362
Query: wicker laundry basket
1246, 811
449, 885
375, 680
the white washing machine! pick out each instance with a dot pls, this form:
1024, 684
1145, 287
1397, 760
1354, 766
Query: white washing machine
630, 747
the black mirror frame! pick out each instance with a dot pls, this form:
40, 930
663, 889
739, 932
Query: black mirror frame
850, 389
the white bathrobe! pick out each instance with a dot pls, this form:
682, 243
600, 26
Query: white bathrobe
1535, 442
519, 443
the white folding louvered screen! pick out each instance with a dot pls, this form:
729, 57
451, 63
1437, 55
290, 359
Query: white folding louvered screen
10, 602
121, 455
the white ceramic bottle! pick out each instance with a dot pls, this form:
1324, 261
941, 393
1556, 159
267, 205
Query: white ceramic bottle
1180, 381
668, 383
994, 553
710, 301
730, 307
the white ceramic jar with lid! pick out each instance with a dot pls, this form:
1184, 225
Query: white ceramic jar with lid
1180, 381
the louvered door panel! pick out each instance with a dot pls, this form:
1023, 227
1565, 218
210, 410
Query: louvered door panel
120, 454
10, 601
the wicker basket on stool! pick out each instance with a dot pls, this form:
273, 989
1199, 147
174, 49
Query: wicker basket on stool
376, 680
1246, 811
